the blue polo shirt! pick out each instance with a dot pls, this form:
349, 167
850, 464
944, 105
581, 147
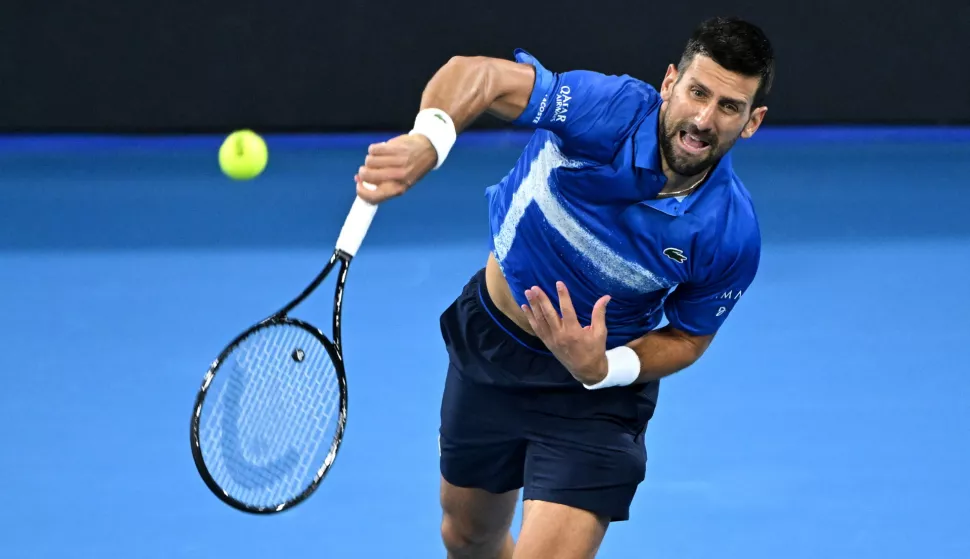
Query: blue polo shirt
580, 206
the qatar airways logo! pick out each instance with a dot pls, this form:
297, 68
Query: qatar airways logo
562, 104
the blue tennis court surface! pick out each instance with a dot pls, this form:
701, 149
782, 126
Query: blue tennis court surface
829, 419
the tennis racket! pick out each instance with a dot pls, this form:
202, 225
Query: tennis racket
270, 414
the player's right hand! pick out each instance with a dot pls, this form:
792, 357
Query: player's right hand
394, 166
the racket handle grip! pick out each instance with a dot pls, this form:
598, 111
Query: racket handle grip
355, 226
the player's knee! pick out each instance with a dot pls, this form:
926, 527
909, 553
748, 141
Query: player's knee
468, 539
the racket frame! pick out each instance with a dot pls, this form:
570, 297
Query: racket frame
351, 236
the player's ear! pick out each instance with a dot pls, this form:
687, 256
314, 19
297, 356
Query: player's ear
754, 122
667, 87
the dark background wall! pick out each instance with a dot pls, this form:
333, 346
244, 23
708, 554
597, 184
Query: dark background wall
335, 66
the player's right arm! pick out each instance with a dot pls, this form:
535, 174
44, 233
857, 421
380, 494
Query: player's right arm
458, 93
468, 86
588, 111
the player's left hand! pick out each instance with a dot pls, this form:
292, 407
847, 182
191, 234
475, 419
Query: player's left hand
582, 350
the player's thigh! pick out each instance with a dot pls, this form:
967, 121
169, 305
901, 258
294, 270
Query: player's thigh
482, 460
473, 516
560, 531
588, 456
480, 441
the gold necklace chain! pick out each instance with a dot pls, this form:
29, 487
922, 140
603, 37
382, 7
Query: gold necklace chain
688, 189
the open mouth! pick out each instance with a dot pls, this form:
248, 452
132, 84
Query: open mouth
692, 143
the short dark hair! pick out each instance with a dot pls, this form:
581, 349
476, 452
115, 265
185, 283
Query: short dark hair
737, 46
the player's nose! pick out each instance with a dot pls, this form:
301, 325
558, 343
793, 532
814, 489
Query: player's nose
704, 118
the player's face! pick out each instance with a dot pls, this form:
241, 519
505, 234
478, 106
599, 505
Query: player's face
706, 109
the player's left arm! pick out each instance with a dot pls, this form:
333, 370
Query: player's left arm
695, 312
668, 350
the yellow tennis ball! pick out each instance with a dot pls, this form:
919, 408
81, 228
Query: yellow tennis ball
243, 155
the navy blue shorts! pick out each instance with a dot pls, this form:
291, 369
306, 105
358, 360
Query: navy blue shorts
513, 417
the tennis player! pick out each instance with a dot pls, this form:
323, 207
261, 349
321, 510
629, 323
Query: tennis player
622, 209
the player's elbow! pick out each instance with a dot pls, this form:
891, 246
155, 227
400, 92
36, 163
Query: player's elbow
693, 346
463, 61
698, 345
500, 87
472, 74
469, 67
481, 70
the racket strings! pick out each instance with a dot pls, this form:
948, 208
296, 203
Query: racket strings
271, 415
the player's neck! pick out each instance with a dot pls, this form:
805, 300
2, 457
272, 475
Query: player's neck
680, 185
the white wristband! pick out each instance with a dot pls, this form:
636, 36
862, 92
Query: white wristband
439, 129
623, 368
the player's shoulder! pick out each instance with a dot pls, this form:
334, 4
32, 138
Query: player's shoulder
574, 81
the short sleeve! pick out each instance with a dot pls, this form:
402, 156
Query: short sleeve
700, 308
591, 113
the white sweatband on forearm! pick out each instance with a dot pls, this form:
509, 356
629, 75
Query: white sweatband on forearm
623, 368
437, 126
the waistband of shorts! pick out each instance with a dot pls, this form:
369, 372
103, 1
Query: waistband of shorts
504, 322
